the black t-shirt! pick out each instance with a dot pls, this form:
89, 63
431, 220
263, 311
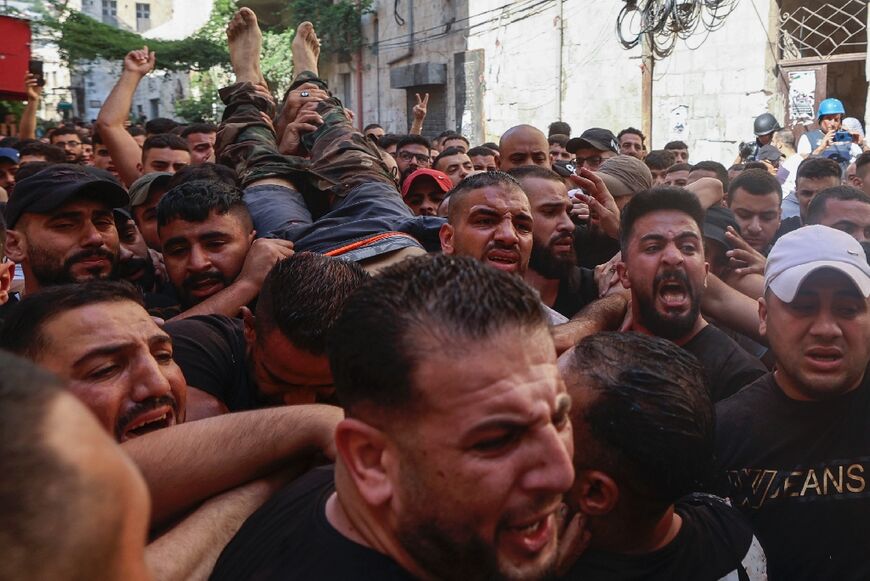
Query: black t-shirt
289, 537
576, 291
211, 351
788, 225
593, 247
713, 542
801, 472
727, 366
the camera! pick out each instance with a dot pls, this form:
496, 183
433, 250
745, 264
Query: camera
748, 150
841, 136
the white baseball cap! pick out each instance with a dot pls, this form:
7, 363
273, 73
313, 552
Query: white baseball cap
800, 253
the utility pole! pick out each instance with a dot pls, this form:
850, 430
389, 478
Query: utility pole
647, 65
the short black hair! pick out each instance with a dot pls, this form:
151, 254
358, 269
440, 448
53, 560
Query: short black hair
818, 205
444, 134
410, 306
651, 418
480, 150
534, 171
32, 168
371, 126
303, 296
659, 159
165, 140
560, 128
10, 141
477, 181
819, 167
757, 182
194, 201
676, 145
632, 131
135, 130
198, 128
205, 171
160, 125
754, 165
413, 139
447, 153
680, 167
714, 166
21, 332
64, 130
388, 139
51, 153
456, 136
862, 161
558, 139
491, 145
655, 200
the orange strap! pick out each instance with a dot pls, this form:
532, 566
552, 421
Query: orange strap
365, 242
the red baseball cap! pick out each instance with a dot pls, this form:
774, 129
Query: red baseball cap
439, 177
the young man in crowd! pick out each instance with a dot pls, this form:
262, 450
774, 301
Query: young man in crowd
39, 151
842, 208
643, 448
9, 161
593, 147
658, 161
483, 159
424, 190
680, 151
664, 268
709, 169
755, 197
814, 174
523, 145
787, 479
455, 163
632, 142
456, 140
70, 141
450, 465
412, 153
200, 139
558, 152
678, 175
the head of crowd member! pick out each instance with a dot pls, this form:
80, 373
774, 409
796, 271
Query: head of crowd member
37, 151
205, 233
145, 194
9, 160
100, 338
663, 262
643, 435
68, 474
716, 245
424, 190
658, 161
593, 147
374, 132
769, 154
286, 337
553, 254
87, 151
523, 145
842, 208
625, 176
678, 175
485, 404
454, 163
102, 158
164, 152
735, 170
69, 140
160, 125
850, 175
784, 141
138, 134
135, 264
558, 128
389, 142
632, 142
492, 146
862, 172
490, 219
709, 169
680, 151
830, 115
764, 126
412, 153
61, 228
30, 169
558, 152
7, 268
755, 198
815, 174
437, 142
483, 159
456, 141
200, 139
815, 313
205, 171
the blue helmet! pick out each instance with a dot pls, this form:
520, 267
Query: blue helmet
831, 107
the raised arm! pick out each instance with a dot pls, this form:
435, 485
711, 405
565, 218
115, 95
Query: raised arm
420, 110
191, 462
605, 314
27, 126
731, 308
125, 152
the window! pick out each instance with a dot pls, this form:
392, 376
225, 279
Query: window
143, 16
110, 8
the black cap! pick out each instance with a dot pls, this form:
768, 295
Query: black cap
768, 152
596, 138
45, 191
716, 222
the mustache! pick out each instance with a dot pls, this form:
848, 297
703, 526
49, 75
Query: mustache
142, 407
195, 279
671, 276
93, 253
131, 266
563, 237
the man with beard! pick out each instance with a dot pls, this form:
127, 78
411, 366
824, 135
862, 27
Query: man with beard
412, 153
209, 250
553, 269
61, 228
663, 266
456, 448
69, 140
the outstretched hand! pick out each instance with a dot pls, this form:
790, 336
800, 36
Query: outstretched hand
34, 90
421, 108
602, 207
744, 259
140, 61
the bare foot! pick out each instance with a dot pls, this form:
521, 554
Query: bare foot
306, 49
245, 42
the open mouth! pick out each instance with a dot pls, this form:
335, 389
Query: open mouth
824, 358
673, 294
531, 537
503, 259
205, 287
156, 419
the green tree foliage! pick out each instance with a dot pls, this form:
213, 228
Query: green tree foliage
337, 23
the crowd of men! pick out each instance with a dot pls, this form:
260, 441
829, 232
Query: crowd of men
282, 348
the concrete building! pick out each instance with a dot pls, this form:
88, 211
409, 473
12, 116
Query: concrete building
490, 64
